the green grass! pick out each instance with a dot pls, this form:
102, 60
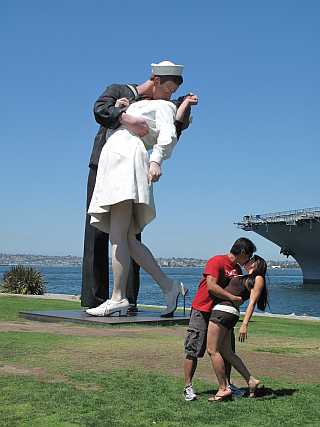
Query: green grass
133, 398
11, 305
58, 378
279, 327
60, 354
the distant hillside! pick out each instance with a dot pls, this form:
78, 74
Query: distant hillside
70, 260
43, 260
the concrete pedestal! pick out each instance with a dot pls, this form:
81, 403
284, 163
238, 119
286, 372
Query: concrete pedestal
150, 317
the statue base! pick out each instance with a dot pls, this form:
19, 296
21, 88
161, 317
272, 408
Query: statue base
142, 316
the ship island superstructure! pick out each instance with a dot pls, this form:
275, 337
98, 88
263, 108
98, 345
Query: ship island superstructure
296, 232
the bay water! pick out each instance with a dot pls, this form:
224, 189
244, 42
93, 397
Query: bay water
287, 293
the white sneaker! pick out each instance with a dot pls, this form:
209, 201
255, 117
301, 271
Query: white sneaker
236, 392
189, 394
171, 298
110, 307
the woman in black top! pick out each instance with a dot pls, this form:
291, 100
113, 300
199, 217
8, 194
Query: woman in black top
224, 317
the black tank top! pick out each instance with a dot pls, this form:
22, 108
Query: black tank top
235, 287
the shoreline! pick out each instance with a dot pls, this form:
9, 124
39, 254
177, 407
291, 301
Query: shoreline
162, 266
67, 297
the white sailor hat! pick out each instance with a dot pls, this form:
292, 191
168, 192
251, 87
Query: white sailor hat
166, 68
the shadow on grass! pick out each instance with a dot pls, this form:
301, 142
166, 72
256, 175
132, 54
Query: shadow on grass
261, 393
270, 393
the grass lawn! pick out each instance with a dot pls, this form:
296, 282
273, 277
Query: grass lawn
59, 374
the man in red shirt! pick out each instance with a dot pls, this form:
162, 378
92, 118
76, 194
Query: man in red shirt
218, 271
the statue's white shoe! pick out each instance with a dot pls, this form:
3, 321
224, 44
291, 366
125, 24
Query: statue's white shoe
172, 296
110, 307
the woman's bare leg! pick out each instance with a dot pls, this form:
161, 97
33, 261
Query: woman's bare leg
216, 335
236, 362
143, 256
120, 219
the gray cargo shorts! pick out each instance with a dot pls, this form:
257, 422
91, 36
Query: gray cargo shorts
195, 342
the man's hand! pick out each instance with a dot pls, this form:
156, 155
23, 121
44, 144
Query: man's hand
154, 172
237, 301
243, 333
136, 125
122, 103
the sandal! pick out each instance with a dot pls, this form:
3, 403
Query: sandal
220, 398
253, 390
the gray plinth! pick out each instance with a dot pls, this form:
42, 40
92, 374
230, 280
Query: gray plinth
80, 316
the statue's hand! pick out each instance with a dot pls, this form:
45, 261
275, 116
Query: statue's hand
191, 99
136, 125
122, 103
154, 172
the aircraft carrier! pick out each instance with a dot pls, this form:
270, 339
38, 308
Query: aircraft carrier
296, 232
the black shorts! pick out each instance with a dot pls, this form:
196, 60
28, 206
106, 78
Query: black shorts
195, 342
223, 318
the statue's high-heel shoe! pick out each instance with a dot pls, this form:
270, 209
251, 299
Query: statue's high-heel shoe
109, 308
171, 298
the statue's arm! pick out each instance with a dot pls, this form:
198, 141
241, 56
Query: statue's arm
167, 138
105, 111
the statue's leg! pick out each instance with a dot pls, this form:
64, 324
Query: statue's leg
95, 266
120, 219
142, 256
133, 285
171, 289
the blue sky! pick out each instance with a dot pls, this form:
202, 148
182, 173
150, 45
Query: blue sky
253, 146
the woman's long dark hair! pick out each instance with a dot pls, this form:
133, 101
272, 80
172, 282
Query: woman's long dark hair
260, 270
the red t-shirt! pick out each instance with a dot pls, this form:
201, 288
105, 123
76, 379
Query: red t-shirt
222, 269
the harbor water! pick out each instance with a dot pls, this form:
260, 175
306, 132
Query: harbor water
287, 293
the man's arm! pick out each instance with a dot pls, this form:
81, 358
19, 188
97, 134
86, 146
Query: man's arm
136, 125
216, 290
108, 115
105, 111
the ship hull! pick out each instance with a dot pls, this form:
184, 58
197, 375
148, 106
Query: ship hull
301, 241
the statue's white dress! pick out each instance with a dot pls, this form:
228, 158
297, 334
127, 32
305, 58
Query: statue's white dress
124, 164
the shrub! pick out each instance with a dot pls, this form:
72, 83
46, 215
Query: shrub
23, 280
